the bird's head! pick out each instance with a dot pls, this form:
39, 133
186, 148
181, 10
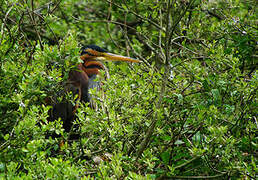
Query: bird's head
95, 53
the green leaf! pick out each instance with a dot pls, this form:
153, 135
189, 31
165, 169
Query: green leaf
165, 157
179, 142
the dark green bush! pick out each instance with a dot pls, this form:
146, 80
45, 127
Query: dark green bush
187, 111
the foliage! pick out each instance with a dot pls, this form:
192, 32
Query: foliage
187, 111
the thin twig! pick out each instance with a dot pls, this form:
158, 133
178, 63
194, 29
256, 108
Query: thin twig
139, 16
4, 23
193, 177
31, 14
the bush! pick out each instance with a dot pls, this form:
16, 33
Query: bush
187, 111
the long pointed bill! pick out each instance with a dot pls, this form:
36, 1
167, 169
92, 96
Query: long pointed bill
114, 57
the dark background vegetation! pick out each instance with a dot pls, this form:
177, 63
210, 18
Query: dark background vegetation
187, 111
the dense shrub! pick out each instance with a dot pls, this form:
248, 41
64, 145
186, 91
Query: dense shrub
187, 111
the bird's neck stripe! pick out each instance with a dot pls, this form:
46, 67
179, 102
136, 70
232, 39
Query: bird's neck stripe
93, 64
92, 67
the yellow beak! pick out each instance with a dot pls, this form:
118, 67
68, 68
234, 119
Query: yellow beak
93, 54
115, 57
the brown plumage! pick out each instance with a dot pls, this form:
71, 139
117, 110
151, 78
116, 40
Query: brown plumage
81, 80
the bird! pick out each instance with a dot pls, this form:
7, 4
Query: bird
82, 79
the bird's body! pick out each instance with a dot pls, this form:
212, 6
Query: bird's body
81, 80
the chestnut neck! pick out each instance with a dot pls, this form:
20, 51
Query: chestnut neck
92, 67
